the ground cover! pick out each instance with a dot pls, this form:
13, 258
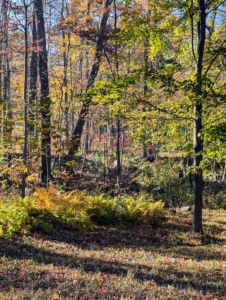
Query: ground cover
169, 262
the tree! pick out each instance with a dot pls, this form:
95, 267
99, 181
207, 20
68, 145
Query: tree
33, 77
198, 107
77, 133
23, 187
188, 68
5, 76
45, 101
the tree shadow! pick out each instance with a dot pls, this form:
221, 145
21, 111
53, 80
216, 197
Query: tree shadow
161, 239
197, 253
16, 249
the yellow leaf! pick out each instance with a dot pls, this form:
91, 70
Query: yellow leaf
55, 297
25, 169
29, 178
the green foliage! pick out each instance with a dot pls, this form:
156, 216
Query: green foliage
215, 201
43, 219
215, 195
47, 211
13, 216
141, 210
102, 210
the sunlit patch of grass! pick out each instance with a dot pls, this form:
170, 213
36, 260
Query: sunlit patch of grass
110, 263
214, 223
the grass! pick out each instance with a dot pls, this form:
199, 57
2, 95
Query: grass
114, 263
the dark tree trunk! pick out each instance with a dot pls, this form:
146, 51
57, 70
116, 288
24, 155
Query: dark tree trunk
5, 68
118, 123
6, 105
1, 58
44, 93
198, 140
118, 156
23, 187
145, 89
77, 133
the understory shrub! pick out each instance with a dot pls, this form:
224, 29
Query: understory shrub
13, 217
215, 195
140, 210
48, 211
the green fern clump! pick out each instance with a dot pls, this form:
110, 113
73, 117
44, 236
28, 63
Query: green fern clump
43, 219
101, 209
77, 210
69, 219
13, 217
48, 211
39, 225
141, 210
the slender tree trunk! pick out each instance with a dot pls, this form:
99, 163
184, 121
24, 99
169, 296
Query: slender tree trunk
145, 89
33, 79
1, 58
44, 93
118, 123
224, 173
6, 106
64, 87
144, 152
5, 58
118, 155
86, 137
77, 133
198, 140
1, 72
23, 188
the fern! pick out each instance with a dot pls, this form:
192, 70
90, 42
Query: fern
13, 217
48, 211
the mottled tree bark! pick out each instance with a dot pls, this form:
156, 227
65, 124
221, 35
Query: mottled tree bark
44, 93
198, 140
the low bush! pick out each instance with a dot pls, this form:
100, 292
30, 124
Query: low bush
13, 217
47, 210
140, 210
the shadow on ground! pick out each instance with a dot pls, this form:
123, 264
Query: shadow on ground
149, 240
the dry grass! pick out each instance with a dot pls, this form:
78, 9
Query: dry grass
138, 263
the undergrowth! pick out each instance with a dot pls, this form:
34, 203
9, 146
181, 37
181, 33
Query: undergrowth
49, 210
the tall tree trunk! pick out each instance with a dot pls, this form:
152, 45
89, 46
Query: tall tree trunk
86, 138
1, 58
23, 187
145, 89
198, 140
118, 155
77, 133
118, 123
6, 107
33, 79
44, 93
64, 87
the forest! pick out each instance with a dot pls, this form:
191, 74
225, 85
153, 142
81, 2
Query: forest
112, 149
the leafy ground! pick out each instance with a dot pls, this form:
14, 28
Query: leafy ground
109, 263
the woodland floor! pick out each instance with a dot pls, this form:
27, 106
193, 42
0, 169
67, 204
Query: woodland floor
169, 262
